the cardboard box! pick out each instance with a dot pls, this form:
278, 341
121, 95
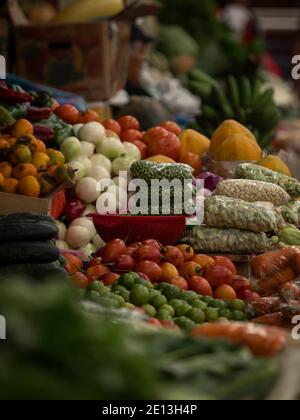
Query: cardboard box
90, 59
14, 203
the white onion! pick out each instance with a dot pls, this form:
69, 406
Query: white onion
76, 128
79, 168
86, 163
98, 242
78, 236
87, 252
86, 190
86, 223
62, 230
111, 148
122, 164
87, 149
132, 150
101, 160
61, 245
92, 132
71, 148
99, 173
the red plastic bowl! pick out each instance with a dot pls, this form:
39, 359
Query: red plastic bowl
165, 229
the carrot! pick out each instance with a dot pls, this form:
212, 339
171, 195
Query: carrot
269, 264
262, 341
271, 285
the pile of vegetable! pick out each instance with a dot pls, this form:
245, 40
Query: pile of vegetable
28, 247
51, 364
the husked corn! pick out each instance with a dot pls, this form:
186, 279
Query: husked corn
253, 191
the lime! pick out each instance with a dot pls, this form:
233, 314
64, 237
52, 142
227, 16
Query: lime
128, 280
162, 286
96, 286
226, 313
196, 315
207, 299
189, 296
108, 302
163, 316
168, 308
212, 314
139, 295
239, 316
181, 306
185, 323
149, 309
92, 295
158, 301
145, 283
172, 292
105, 291
199, 304
217, 303
118, 298
237, 305
122, 291
128, 305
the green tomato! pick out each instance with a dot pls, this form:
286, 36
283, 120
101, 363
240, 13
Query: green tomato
168, 308
190, 296
139, 295
199, 304
185, 323
150, 310
163, 316
239, 316
212, 314
226, 313
196, 315
128, 280
158, 300
237, 305
217, 303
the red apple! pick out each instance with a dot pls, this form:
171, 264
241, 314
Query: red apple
218, 275
200, 285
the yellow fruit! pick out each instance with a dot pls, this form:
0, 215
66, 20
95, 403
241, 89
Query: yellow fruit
40, 161
193, 142
238, 148
10, 185
56, 157
2, 180
40, 146
226, 129
29, 186
161, 159
20, 154
275, 164
22, 128
24, 169
47, 183
4, 144
6, 169
63, 174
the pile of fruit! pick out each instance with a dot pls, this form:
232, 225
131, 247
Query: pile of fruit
244, 100
27, 167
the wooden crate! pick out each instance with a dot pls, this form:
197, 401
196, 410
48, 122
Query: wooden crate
14, 203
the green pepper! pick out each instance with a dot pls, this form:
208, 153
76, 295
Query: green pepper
6, 119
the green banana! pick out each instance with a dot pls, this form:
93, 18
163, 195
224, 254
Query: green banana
234, 93
266, 98
211, 114
201, 89
242, 116
201, 76
256, 90
222, 102
246, 92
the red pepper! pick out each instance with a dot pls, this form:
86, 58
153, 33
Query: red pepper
43, 133
38, 114
13, 97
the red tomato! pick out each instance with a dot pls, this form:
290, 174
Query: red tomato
128, 122
218, 275
190, 269
154, 134
193, 160
80, 280
128, 135
97, 271
112, 125
113, 250
200, 285
225, 292
167, 145
89, 116
171, 126
151, 269
179, 282
226, 262
141, 146
248, 295
240, 283
95, 261
173, 255
125, 263
187, 251
110, 278
68, 113
147, 252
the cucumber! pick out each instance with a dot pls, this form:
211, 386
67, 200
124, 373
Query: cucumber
36, 272
27, 230
21, 217
28, 252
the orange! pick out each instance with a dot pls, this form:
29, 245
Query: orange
169, 271
22, 128
4, 144
40, 146
2, 180
6, 169
24, 169
11, 141
29, 186
40, 161
10, 185
20, 154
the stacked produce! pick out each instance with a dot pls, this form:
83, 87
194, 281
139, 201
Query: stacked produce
244, 100
28, 247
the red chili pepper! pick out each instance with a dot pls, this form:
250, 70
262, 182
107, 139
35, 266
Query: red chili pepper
38, 114
43, 133
13, 97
